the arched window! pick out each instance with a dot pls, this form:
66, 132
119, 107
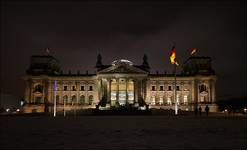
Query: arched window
185, 99
202, 88
90, 99
73, 100
169, 102
153, 100
161, 100
82, 99
65, 99
38, 88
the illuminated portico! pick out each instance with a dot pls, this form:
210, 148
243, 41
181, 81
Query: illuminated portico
122, 83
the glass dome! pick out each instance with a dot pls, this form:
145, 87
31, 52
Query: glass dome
121, 61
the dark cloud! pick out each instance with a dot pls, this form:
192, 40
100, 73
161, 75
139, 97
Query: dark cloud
76, 31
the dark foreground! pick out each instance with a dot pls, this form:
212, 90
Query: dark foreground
124, 132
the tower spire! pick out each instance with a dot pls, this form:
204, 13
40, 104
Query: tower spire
145, 64
99, 62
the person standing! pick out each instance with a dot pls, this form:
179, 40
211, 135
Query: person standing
207, 110
200, 110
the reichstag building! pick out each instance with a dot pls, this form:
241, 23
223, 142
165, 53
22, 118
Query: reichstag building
118, 84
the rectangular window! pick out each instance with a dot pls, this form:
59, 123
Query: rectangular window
65, 88
90, 88
177, 88
82, 88
161, 88
169, 88
73, 88
153, 88
185, 99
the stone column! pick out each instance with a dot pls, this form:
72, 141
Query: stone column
136, 91
109, 90
213, 92
104, 89
69, 95
192, 91
148, 97
43, 91
142, 91
157, 92
117, 92
108, 95
126, 90
145, 91
77, 92
99, 89
51, 100
209, 91
86, 92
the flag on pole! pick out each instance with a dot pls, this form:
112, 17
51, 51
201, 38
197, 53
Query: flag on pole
173, 55
193, 51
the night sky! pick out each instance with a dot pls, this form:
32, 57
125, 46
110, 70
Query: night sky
75, 32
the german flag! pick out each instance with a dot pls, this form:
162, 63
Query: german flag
173, 55
193, 51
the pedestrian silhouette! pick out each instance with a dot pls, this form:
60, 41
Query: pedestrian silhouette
196, 111
207, 110
200, 110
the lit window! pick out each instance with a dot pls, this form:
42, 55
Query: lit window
131, 96
169, 102
185, 99
178, 101
90, 98
153, 100
113, 95
82, 99
161, 101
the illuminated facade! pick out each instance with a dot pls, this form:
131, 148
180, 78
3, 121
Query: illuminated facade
121, 83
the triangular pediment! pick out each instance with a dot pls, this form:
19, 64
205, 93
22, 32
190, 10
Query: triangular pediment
126, 69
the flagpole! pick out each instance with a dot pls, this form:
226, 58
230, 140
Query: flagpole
175, 63
175, 89
55, 101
